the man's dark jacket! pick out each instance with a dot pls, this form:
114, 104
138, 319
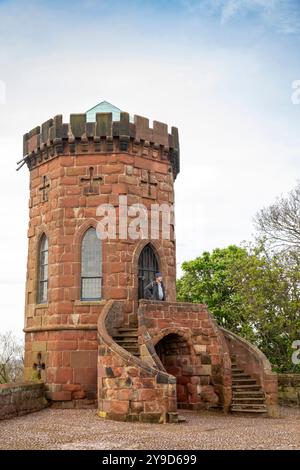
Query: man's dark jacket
151, 291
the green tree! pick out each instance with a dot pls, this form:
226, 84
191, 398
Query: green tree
250, 292
208, 279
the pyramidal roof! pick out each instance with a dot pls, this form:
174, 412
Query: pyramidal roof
104, 107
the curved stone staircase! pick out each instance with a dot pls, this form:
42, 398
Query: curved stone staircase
247, 394
133, 384
127, 338
254, 384
130, 389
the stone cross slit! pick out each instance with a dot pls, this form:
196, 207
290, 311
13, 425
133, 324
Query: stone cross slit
149, 181
44, 188
39, 365
91, 179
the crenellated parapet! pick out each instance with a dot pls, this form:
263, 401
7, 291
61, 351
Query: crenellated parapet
54, 138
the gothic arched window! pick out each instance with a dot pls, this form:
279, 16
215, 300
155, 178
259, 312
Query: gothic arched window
91, 266
42, 296
148, 266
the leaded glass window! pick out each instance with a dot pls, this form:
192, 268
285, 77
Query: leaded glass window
91, 266
43, 271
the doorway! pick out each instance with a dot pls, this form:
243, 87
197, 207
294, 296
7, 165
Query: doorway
148, 266
174, 353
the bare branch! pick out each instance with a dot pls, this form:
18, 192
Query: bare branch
11, 358
280, 222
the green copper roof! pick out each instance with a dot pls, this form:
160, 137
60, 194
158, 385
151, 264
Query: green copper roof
104, 107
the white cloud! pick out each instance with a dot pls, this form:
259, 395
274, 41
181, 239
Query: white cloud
282, 15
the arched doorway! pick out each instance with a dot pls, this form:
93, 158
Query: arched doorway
148, 266
175, 355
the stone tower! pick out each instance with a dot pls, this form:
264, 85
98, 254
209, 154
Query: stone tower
74, 168
89, 333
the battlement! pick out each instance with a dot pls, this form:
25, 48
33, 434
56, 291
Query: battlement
54, 138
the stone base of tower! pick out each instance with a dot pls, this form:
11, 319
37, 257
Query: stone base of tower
66, 360
82, 404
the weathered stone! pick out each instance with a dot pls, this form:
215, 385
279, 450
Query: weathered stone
19, 399
152, 418
77, 123
104, 124
200, 348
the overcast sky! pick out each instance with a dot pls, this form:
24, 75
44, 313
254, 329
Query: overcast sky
219, 70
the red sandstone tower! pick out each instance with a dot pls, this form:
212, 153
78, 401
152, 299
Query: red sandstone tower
88, 333
74, 168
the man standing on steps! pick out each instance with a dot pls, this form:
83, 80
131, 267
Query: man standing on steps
156, 289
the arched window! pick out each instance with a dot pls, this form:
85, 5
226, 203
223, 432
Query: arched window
43, 271
148, 266
91, 266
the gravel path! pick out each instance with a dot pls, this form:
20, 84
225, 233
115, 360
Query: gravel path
83, 429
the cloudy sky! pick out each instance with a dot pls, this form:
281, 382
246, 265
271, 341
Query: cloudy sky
220, 70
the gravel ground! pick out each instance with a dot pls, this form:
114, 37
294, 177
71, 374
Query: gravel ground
83, 429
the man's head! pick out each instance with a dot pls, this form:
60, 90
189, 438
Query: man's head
158, 277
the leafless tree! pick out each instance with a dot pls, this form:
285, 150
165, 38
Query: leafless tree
280, 222
11, 358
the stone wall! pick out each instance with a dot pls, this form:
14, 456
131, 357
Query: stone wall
289, 389
70, 358
184, 340
21, 398
129, 389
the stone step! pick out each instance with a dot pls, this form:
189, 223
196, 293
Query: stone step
246, 386
248, 410
241, 375
127, 334
248, 393
250, 406
126, 339
130, 347
248, 400
130, 329
234, 390
242, 381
